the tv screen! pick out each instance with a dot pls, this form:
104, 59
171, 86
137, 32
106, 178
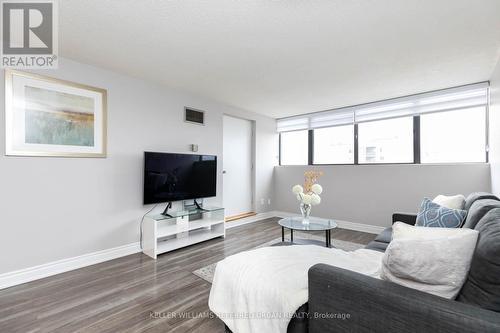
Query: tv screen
173, 177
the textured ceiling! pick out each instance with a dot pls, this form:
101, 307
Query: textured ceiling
281, 58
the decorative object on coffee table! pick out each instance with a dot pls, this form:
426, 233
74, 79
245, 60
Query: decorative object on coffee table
309, 194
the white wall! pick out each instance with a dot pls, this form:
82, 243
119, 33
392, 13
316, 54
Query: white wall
56, 208
369, 194
495, 129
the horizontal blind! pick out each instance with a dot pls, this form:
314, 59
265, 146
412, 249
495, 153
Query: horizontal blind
293, 124
329, 119
474, 95
436, 101
383, 110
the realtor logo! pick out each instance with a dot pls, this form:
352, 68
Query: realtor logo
29, 34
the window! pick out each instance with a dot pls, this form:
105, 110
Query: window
386, 141
334, 145
444, 126
455, 136
294, 148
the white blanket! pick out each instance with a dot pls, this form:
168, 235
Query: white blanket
260, 290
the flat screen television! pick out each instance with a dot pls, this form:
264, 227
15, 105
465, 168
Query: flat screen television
174, 177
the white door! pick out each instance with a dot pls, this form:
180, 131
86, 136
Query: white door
237, 166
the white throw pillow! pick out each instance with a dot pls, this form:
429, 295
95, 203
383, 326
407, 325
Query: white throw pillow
452, 201
402, 230
433, 260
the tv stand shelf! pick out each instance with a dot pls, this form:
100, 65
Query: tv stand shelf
182, 228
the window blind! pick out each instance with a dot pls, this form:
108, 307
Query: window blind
293, 124
469, 96
330, 119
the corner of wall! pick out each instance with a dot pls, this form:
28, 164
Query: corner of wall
494, 129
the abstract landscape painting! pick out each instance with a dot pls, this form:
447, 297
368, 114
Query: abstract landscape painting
58, 118
51, 117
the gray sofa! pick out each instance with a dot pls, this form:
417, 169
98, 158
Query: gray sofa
345, 301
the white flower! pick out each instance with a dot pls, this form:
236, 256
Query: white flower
297, 189
306, 199
299, 196
315, 199
317, 189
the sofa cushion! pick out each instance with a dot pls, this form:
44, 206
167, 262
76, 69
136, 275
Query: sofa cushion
479, 209
435, 216
482, 287
473, 197
385, 236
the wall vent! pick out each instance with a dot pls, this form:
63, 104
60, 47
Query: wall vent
194, 116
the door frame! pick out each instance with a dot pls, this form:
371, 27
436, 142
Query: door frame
253, 173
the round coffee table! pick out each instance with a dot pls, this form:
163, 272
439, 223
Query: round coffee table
312, 224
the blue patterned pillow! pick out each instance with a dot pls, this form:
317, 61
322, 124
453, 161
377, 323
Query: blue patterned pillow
433, 215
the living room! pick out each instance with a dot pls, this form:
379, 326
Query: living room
250, 166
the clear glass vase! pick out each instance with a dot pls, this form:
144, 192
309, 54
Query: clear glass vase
305, 209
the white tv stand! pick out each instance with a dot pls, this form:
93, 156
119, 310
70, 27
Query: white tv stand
183, 228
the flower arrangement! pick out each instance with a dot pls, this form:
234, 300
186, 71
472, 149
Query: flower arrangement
308, 195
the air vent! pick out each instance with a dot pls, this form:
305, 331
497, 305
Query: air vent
194, 116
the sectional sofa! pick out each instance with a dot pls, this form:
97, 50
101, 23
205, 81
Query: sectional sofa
375, 305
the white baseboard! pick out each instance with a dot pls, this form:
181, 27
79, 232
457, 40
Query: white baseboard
56, 267
65, 265
15, 278
372, 229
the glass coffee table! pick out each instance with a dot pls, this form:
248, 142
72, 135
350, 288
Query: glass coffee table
311, 224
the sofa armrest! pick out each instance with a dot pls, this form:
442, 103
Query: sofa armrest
346, 301
405, 218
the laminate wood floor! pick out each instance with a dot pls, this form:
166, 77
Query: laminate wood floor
135, 293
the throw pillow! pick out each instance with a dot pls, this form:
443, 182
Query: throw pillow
415, 232
433, 261
452, 201
433, 215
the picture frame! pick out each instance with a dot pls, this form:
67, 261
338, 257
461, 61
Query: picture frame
45, 116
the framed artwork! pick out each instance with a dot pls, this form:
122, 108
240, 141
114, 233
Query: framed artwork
51, 117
